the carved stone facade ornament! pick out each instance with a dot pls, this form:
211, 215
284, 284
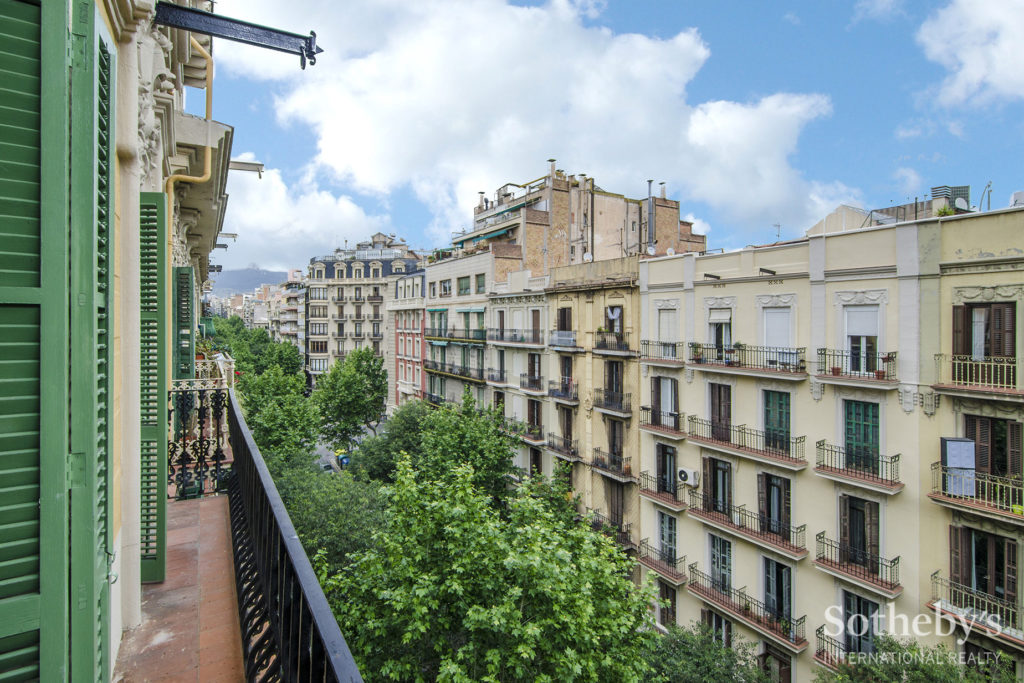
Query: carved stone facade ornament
662, 304
862, 296
719, 302
929, 402
688, 375
908, 398
998, 293
817, 389
775, 300
998, 409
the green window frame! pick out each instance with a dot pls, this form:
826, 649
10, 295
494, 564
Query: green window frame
862, 435
776, 420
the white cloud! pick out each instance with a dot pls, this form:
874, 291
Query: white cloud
907, 131
979, 43
791, 18
909, 180
877, 10
700, 226
448, 97
282, 227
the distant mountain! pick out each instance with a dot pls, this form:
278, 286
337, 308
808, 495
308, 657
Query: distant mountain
245, 280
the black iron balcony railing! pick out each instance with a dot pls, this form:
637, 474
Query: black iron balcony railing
848, 364
828, 650
375, 298
530, 382
662, 561
357, 334
773, 358
860, 463
197, 463
974, 605
528, 431
775, 445
376, 335
564, 446
753, 611
613, 400
984, 373
612, 526
510, 336
664, 488
461, 371
496, 376
435, 399
615, 463
564, 388
288, 629
661, 420
668, 352
611, 341
761, 527
563, 338
857, 563
978, 491
357, 298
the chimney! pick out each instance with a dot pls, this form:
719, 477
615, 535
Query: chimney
662, 183
481, 193
552, 162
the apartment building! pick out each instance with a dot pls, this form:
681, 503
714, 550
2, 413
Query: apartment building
347, 293
407, 312
287, 312
830, 429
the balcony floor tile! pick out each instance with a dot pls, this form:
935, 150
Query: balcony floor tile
189, 628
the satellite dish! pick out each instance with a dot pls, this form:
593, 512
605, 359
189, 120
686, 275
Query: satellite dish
961, 204
650, 250
588, 257
670, 251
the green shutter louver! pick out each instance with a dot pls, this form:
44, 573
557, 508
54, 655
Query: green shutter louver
184, 332
91, 268
153, 382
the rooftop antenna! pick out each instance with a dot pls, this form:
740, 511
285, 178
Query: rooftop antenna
778, 231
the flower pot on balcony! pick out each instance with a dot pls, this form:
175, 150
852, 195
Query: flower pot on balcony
836, 370
879, 374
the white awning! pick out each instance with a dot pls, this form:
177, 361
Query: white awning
720, 315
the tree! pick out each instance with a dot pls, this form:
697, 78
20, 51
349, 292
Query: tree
283, 421
457, 591
402, 433
351, 397
911, 662
693, 655
460, 434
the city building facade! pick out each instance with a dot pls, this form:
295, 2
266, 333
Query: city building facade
407, 313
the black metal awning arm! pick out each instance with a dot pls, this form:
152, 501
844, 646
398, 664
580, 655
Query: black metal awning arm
198, 21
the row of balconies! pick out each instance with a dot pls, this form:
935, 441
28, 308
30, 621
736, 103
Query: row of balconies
455, 370
358, 298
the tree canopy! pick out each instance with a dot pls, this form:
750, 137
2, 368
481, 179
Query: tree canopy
693, 655
378, 455
351, 397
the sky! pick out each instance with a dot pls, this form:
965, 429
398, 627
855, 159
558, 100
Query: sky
754, 114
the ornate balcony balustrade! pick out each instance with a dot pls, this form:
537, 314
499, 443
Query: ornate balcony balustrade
615, 401
773, 446
858, 564
664, 562
667, 353
978, 492
615, 464
531, 383
612, 341
509, 336
665, 489
828, 650
994, 374
564, 389
565, 447
563, 339
763, 529
995, 615
614, 527
859, 465
671, 423
786, 360
845, 364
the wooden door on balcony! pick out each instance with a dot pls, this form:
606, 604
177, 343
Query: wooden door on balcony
988, 564
859, 532
534, 325
773, 502
859, 621
717, 485
613, 378
997, 448
721, 411
665, 457
776, 421
862, 446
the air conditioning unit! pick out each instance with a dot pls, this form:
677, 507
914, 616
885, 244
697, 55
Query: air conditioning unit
689, 477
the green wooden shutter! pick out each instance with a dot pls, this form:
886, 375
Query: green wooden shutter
91, 270
153, 382
33, 341
184, 334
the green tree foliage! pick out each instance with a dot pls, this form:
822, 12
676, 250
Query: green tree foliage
333, 513
911, 662
351, 397
692, 655
460, 434
458, 592
402, 433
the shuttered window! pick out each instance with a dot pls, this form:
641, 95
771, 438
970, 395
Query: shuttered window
184, 335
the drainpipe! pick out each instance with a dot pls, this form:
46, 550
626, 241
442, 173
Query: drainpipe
650, 216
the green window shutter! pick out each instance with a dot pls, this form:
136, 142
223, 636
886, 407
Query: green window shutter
153, 382
91, 270
184, 333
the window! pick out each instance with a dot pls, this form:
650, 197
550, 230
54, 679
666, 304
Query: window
481, 283
499, 401
433, 289
375, 273
376, 329
318, 346
776, 327
613, 319
985, 330
860, 623
616, 432
720, 329
721, 563
665, 402
564, 320
776, 421
565, 422
357, 272
446, 287
318, 328
778, 589
667, 534
720, 627
341, 329
376, 312
862, 446
777, 664
376, 348
613, 376
773, 503
721, 412
858, 532
341, 346
318, 364
359, 329
359, 311
862, 337
535, 462
717, 485
665, 462
533, 365
666, 603
463, 283
997, 448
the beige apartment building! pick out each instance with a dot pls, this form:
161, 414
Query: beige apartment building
830, 437
347, 293
287, 312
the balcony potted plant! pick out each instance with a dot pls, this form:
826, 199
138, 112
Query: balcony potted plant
735, 354
696, 353
836, 370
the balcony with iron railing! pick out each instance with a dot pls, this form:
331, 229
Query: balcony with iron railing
564, 447
865, 569
612, 343
861, 465
967, 375
764, 530
613, 465
613, 526
563, 389
778, 626
237, 577
530, 432
828, 651
505, 335
531, 383
787, 363
564, 340
989, 614
664, 562
996, 497
843, 366
496, 376
669, 354
774, 447
375, 298
454, 334
614, 402
670, 424
664, 490
454, 370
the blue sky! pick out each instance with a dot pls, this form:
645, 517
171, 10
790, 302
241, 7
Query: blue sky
753, 113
